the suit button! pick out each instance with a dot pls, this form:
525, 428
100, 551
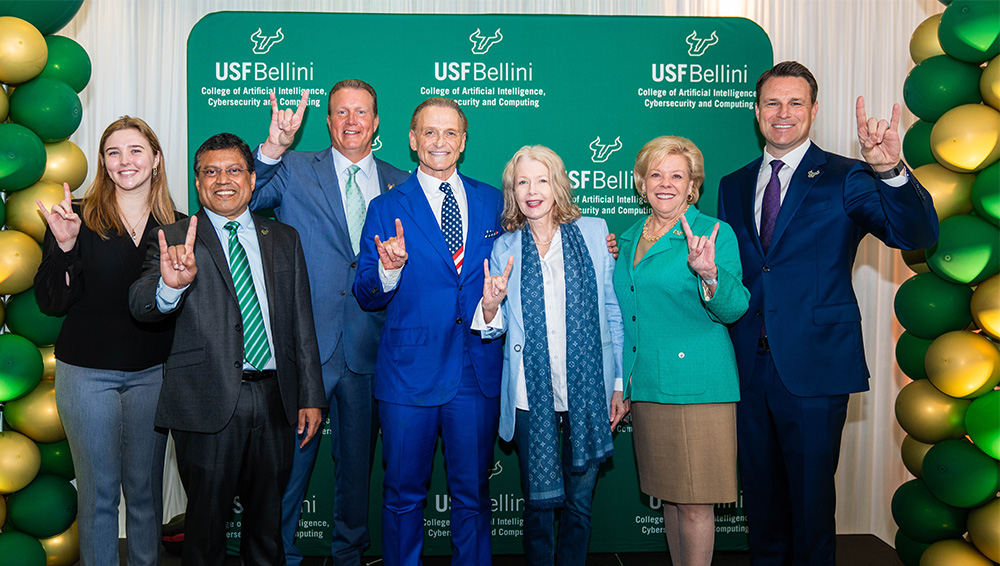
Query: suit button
239, 327
458, 321
633, 348
354, 264
517, 347
237, 365
460, 287
680, 355
633, 319
632, 288
342, 293
767, 269
758, 313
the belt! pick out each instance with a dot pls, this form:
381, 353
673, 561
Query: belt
763, 345
251, 375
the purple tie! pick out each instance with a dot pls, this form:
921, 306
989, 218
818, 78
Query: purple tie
771, 205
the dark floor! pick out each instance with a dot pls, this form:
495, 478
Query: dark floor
852, 550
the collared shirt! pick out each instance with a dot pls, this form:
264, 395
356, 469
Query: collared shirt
366, 177
168, 298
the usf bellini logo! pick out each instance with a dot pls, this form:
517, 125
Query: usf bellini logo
263, 43
603, 151
481, 44
697, 46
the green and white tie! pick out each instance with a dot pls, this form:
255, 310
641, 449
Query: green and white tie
255, 348
355, 209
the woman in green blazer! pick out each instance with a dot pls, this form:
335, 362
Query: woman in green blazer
679, 283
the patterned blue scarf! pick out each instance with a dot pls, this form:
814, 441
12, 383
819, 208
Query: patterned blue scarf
590, 431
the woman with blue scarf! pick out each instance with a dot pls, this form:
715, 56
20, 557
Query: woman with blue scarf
561, 395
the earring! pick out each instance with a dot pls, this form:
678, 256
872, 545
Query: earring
642, 195
154, 171
690, 198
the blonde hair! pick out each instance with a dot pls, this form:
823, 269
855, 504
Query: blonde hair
100, 207
656, 150
563, 210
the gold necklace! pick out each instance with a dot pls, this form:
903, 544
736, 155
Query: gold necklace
647, 233
133, 226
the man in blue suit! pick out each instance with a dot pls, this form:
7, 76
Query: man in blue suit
799, 214
433, 372
324, 196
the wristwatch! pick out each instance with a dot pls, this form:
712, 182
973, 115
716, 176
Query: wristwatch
896, 171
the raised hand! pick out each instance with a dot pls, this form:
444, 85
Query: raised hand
177, 265
612, 242
494, 289
880, 145
701, 251
392, 252
284, 124
62, 221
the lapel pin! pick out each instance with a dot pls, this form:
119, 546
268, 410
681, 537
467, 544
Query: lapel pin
390, 185
264, 231
812, 173
678, 232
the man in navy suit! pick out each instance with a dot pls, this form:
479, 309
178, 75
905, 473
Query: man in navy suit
422, 248
324, 195
799, 214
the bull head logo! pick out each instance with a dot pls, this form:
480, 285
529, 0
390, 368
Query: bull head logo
698, 46
481, 44
262, 43
603, 151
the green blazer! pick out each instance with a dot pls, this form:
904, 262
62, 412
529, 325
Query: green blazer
677, 347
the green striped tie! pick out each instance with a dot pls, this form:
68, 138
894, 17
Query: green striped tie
355, 208
255, 348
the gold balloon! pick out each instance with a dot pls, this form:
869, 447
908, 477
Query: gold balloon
924, 41
928, 415
916, 260
951, 191
953, 552
35, 414
967, 138
19, 461
913, 452
23, 52
985, 306
48, 362
984, 529
62, 549
22, 210
989, 83
65, 163
963, 364
20, 256
4, 105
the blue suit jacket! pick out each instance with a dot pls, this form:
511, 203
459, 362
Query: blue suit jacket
429, 313
304, 191
595, 232
801, 288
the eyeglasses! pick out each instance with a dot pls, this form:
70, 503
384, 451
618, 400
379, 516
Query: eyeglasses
214, 171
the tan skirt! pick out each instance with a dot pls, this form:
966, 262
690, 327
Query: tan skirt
686, 453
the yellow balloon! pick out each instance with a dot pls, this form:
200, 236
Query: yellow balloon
963, 364
924, 41
984, 529
928, 415
35, 415
4, 105
989, 83
20, 256
22, 210
967, 138
916, 260
65, 163
953, 552
19, 461
913, 451
985, 306
23, 52
62, 549
951, 191
48, 362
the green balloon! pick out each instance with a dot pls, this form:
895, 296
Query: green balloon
48, 107
986, 194
917, 144
923, 517
44, 508
908, 550
22, 157
959, 474
20, 366
25, 318
910, 354
969, 30
982, 421
56, 459
928, 306
967, 251
19, 549
49, 16
68, 62
936, 85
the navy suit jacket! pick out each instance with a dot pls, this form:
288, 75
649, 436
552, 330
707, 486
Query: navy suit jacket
429, 313
801, 288
304, 191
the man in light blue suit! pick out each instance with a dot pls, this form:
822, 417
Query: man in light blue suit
422, 250
799, 214
324, 196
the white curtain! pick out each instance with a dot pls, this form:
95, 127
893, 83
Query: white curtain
138, 50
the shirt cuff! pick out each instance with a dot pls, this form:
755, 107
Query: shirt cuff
389, 277
479, 319
265, 159
898, 180
619, 384
168, 298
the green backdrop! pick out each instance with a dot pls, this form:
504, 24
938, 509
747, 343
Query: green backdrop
593, 88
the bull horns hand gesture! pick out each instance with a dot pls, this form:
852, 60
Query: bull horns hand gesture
177, 265
880, 145
284, 125
701, 251
494, 289
392, 252
63, 222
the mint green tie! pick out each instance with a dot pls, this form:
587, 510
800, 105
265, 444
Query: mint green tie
255, 348
355, 209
